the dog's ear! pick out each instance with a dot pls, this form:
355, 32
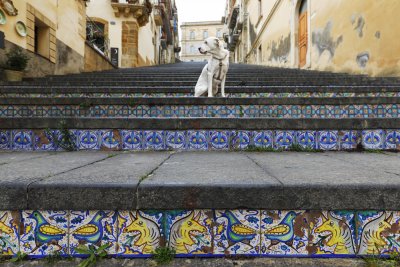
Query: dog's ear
217, 42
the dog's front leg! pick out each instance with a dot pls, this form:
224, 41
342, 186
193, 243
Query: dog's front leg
210, 82
223, 87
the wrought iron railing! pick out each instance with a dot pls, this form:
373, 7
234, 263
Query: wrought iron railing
96, 36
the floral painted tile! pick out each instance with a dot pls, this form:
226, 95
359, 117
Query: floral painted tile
9, 229
45, 140
110, 140
328, 140
95, 228
349, 139
88, 140
153, 140
378, 232
237, 232
175, 140
392, 139
197, 140
219, 140
44, 233
263, 139
307, 139
22, 140
284, 233
240, 139
374, 139
332, 233
284, 139
138, 232
131, 140
5, 140
189, 232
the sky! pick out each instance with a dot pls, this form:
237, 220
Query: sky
200, 10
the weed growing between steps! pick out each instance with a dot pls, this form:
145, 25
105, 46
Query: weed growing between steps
292, 148
56, 257
375, 261
66, 140
95, 254
164, 255
20, 256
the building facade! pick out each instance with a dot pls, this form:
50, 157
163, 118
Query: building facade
51, 32
193, 35
136, 32
342, 36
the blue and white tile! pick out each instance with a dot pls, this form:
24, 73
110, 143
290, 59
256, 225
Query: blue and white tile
175, 140
263, 139
393, 139
46, 140
131, 140
153, 140
240, 139
349, 139
89, 140
22, 140
328, 140
96, 228
5, 139
307, 139
284, 233
139, 233
373, 139
284, 139
44, 233
198, 140
237, 232
110, 139
219, 140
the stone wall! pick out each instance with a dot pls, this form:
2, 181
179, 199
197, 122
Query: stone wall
94, 61
130, 44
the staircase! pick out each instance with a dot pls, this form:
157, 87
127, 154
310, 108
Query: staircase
153, 108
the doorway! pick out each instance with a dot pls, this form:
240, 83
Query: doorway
303, 33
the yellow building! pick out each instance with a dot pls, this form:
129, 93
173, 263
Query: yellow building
52, 32
140, 33
357, 36
193, 35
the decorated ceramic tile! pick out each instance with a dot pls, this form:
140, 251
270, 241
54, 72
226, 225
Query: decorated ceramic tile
284, 233
110, 139
219, 140
46, 140
154, 140
95, 228
139, 233
44, 233
22, 140
392, 139
378, 232
89, 140
237, 232
9, 229
374, 139
5, 139
349, 139
328, 140
197, 140
175, 140
240, 139
131, 140
189, 232
332, 233
264, 139
307, 139
284, 139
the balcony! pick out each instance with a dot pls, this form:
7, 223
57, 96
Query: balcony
139, 9
232, 20
158, 15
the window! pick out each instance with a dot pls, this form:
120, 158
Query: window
192, 35
205, 34
219, 33
42, 39
192, 50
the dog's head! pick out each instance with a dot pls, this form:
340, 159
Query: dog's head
210, 44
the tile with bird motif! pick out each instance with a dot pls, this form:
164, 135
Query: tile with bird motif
237, 232
189, 232
332, 233
92, 228
44, 233
139, 233
9, 232
284, 233
378, 232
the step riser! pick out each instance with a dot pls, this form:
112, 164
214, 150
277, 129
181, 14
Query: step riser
198, 140
214, 231
204, 111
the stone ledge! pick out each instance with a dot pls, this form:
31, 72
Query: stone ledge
196, 180
200, 123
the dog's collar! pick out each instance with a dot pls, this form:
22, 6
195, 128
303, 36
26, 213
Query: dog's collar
220, 59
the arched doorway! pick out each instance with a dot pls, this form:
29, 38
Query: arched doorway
303, 32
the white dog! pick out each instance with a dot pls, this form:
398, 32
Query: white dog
214, 73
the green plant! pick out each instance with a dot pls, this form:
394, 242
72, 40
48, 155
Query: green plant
56, 257
17, 59
261, 149
19, 257
299, 148
95, 254
164, 255
66, 140
376, 261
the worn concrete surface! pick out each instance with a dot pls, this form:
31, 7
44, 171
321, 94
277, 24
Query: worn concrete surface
199, 180
260, 262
